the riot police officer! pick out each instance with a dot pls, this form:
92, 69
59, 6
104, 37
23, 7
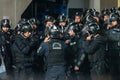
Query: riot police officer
62, 23
35, 24
22, 56
5, 43
113, 41
35, 37
105, 22
53, 50
49, 21
71, 52
18, 27
78, 20
105, 14
95, 48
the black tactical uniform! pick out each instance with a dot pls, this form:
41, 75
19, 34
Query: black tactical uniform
54, 56
104, 21
35, 37
72, 52
95, 48
62, 25
22, 57
113, 35
49, 21
5, 44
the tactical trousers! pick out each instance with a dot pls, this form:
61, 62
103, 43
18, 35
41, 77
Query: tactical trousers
77, 75
114, 63
55, 73
21, 73
97, 71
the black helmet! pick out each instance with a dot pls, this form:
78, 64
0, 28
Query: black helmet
113, 10
26, 27
89, 11
5, 23
20, 23
93, 28
75, 28
62, 18
54, 32
78, 14
114, 17
105, 12
49, 18
95, 14
18, 27
33, 21
89, 19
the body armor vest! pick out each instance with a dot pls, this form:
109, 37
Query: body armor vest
56, 53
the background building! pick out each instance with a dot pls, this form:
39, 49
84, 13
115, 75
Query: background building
17, 9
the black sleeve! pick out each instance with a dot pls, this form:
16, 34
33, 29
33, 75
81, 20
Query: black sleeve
43, 49
81, 54
91, 46
80, 58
